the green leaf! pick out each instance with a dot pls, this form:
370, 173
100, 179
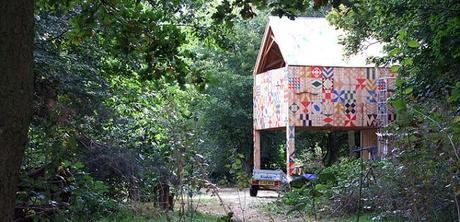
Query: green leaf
315, 193
78, 165
399, 82
394, 52
413, 44
326, 177
408, 61
402, 34
456, 119
395, 68
320, 187
408, 90
455, 93
238, 161
399, 104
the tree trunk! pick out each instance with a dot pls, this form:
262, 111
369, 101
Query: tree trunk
332, 151
16, 86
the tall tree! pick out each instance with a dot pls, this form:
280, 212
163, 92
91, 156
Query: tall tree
16, 53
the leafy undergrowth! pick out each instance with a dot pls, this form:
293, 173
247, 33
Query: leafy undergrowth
280, 209
386, 194
364, 218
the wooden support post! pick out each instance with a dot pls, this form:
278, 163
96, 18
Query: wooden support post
290, 148
351, 142
256, 149
368, 139
290, 128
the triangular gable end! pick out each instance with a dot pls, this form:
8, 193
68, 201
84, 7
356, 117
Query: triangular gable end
308, 41
270, 56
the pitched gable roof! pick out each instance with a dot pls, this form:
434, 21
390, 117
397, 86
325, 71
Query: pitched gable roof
307, 41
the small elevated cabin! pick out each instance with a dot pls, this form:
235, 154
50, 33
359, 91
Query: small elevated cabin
302, 81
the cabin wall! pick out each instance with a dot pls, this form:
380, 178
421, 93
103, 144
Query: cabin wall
316, 98
340, 97
270, 99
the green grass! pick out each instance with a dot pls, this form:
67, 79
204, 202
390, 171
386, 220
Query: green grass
363, 218
196, 218
128, 217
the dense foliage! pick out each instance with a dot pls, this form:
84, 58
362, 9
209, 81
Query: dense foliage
422, 42
103, 134
394, 188
118, 118
420, 178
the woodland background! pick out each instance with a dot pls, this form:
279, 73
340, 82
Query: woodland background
131, 96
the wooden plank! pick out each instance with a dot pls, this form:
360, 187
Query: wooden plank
290, 148
267, 35
351, 141
274, 63
256, 149
368, 139
268, 48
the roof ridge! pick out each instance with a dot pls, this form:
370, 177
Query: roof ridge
315, 41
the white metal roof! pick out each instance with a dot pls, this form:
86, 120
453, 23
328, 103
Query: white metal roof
314, 41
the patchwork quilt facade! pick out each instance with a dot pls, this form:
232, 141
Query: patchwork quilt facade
321, 97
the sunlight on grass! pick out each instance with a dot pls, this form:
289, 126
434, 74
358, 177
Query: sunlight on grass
128, 217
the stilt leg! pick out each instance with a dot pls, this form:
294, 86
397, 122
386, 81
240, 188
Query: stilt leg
368, 140
256, 149
290, 149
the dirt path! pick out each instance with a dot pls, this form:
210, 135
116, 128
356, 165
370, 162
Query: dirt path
241, 204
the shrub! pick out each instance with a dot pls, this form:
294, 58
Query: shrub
392, 188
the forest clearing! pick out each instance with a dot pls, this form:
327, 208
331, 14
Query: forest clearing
229, 110
259, 209
240, 202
